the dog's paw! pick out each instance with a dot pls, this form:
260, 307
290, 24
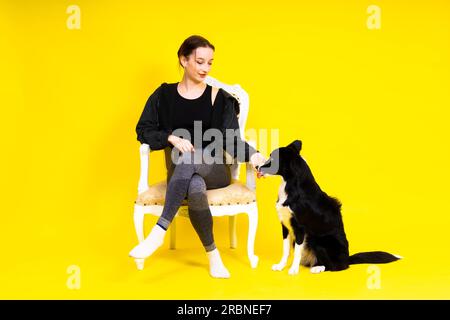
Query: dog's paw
278, 266
293, 270
317, 269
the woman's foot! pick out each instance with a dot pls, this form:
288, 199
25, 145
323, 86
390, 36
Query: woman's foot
152, 242
216, 267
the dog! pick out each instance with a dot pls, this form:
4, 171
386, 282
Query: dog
311, 218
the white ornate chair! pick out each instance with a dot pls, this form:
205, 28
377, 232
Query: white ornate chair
228, 201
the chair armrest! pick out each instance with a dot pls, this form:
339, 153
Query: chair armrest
144, 151
250, 180
250, 175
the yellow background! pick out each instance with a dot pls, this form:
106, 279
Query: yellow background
371, 107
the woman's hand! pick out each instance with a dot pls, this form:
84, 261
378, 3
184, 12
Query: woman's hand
257, 159
181, 144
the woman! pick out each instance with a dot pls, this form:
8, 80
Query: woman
170, 121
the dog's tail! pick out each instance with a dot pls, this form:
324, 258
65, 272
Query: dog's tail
373, 257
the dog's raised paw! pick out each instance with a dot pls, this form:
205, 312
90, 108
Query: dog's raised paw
317, 269
293, 270
278, 266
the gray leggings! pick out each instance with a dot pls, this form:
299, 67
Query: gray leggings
189, 179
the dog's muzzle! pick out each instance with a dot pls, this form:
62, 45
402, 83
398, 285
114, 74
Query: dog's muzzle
264, 170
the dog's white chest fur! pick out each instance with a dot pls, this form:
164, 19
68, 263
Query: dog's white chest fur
302, 254
284, 212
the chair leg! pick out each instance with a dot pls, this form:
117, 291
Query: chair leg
252, 225
139, 263
139, 222
173, 233
232, 231
138, 218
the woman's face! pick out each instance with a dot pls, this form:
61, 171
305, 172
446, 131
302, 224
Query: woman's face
198, 63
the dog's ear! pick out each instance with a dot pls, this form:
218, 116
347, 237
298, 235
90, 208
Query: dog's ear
296, 145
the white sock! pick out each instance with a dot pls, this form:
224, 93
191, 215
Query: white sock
152, 242
216, 266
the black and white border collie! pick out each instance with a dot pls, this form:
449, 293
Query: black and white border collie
311, 217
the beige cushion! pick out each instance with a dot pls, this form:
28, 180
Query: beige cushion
235, 193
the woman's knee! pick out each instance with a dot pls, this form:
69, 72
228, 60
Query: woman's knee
197, 186
197, 198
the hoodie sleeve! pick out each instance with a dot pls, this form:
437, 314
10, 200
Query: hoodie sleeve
147, 129
233, 143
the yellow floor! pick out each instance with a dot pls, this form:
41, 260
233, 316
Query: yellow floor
45, 256
105, 272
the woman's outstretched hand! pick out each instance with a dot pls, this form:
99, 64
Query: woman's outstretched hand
181, 144
257, 160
